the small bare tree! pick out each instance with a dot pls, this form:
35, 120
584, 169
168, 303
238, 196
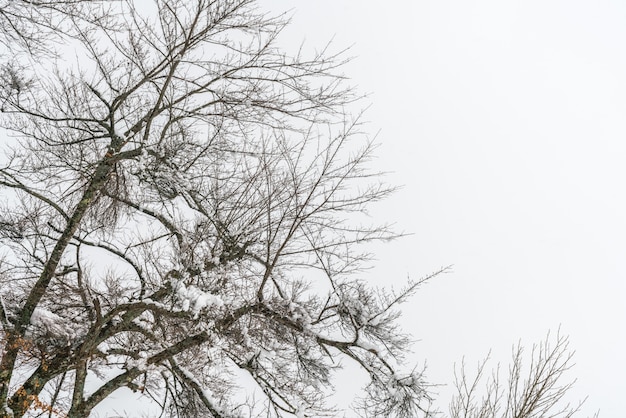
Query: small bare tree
181, 214
534, 388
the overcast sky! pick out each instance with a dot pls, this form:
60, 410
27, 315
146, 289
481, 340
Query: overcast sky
504, 121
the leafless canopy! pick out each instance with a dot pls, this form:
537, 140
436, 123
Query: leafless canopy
182, 208
33, 26
534, 388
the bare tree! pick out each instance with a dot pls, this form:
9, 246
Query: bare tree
182, 217
183, 208
534, 388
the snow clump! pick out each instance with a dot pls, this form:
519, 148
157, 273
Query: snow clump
194, 300
44, 321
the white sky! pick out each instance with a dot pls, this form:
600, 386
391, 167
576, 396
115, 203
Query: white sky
504, 120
